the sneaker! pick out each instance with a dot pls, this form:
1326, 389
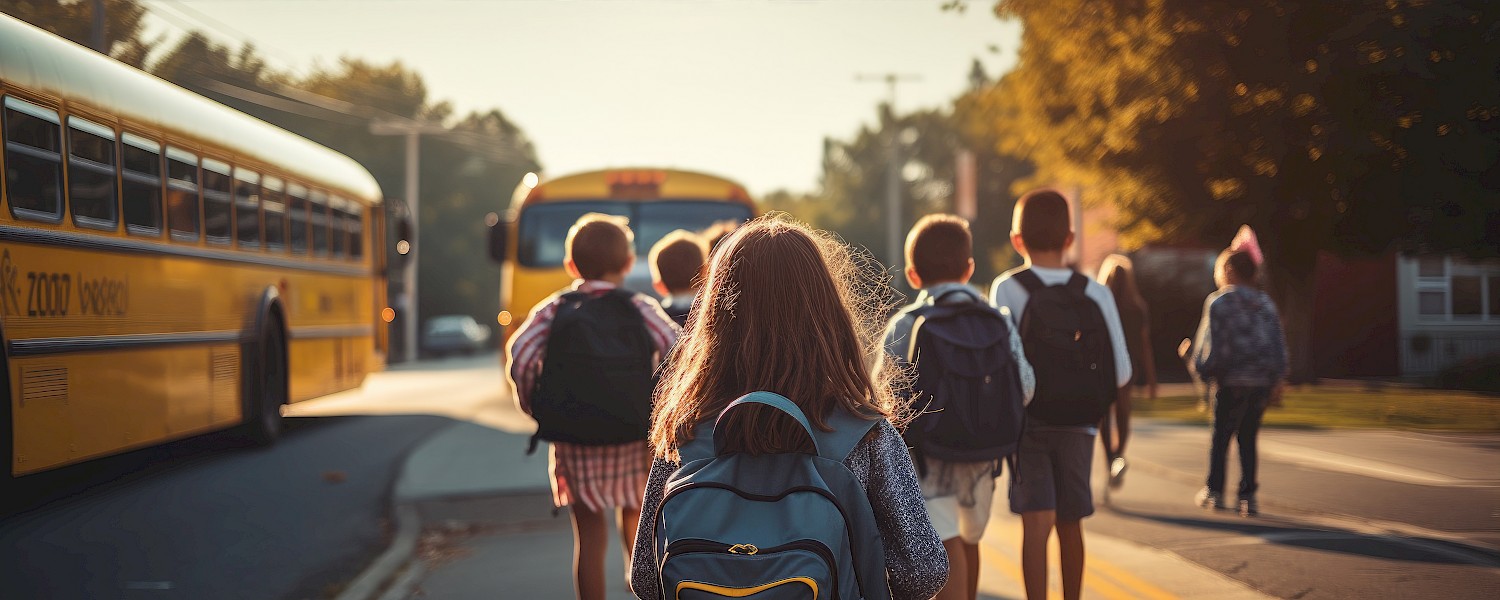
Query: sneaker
1117, 469
1248, 507
1209, 499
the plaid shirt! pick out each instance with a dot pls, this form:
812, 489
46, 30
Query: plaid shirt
596, 476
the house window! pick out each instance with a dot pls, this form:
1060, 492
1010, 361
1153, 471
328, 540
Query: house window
1432, 266
1457, 290
1467, 297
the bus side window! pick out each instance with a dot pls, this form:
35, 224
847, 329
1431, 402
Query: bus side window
320, 223
337, 238
33, 161
247, 208
182, 195
298, 213
218, 202
142, 192
273, 202
356, 231
91, 174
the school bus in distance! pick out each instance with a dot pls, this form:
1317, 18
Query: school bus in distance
528, 241
168, 266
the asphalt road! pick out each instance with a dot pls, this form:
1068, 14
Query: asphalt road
1343, 514
209, 517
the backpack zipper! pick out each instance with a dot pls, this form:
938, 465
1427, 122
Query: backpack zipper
697, 546
656, 521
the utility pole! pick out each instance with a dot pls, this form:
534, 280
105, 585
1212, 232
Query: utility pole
407, 311
96, 36
893, 170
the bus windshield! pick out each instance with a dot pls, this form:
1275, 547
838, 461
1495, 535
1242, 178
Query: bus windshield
544, 227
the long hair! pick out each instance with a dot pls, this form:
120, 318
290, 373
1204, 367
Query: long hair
785, 309
1118, 274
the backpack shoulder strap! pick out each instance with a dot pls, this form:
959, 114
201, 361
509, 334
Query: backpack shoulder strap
1029, 280
848, 430
701, 446
1078, 284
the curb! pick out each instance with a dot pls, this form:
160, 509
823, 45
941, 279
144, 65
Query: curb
370, 581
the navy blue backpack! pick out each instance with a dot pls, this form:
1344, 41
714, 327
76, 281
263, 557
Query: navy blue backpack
770, 526
968, 384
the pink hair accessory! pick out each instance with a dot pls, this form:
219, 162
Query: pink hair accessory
1245, 241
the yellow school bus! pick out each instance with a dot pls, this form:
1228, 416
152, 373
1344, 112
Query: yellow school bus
528, 242
168, 266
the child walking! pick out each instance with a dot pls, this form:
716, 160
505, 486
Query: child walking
777, 314
1240, 346
958, 473
1071, 332
676, 265
582, 365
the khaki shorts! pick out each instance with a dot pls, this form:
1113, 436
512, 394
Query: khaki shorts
947, 492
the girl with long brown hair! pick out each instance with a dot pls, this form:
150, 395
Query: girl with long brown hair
779, 312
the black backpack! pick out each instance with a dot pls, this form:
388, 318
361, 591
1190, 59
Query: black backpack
679, 312
968, 385
1068, 346
598, 375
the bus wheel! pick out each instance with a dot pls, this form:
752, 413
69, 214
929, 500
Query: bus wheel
266, 386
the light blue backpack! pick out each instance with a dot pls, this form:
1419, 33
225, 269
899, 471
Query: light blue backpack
773, 526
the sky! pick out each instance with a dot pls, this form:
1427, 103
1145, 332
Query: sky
746, 89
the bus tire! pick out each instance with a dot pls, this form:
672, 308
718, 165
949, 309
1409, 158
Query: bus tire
265, 384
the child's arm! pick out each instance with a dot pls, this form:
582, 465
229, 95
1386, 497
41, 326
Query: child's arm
644, 579
1023, 367
662, 329
1200, 362
915, 561
526, 351
1111, 314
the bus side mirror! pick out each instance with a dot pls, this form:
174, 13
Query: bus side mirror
499, 240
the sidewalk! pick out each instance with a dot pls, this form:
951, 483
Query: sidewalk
475, 520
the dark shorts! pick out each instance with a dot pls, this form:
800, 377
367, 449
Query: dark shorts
1052, 473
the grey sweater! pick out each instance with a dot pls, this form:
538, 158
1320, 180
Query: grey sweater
915, 562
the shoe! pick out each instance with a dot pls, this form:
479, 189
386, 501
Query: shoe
1209, 499
1117, 469
1248, 507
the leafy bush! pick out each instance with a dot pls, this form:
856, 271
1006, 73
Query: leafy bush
1480, 374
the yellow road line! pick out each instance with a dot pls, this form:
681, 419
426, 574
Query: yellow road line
1140, 586
1101, 576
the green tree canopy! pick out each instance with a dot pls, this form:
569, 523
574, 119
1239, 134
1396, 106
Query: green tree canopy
75, 20
1344, 126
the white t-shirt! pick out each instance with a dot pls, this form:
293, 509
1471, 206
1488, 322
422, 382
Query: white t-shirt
1009, 293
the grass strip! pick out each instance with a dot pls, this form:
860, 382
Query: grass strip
1313, 407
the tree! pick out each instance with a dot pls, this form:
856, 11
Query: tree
74, 20
1344, 126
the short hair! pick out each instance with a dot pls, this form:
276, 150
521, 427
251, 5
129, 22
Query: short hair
1041, 217
600, 244
715, 234
939, 247
1240, 263
677, 259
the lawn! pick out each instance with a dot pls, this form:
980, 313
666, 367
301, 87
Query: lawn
1353, 407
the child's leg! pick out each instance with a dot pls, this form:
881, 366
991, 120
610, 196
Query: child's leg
971, 556
630, 518
589, 539
958, 568
1070, 546
1036, 529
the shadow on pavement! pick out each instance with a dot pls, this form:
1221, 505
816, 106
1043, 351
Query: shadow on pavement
99, 475
1391, 547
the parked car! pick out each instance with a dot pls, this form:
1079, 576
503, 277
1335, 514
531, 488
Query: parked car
452, 334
